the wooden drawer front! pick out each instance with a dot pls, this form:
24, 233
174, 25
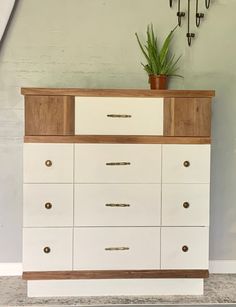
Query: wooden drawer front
185, 204
117, 163
184, 247
48, 205
117, 248
37, 258
117, 204
186, 164
118, 116
48, 163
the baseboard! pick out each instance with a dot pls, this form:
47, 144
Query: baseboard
215, 266
222, 266
10, 269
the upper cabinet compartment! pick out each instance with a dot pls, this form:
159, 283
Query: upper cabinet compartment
71, 112
118, 116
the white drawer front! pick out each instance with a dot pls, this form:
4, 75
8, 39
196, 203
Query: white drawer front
117, 248
48, 163
37, 258
117, 163
118, 115
185, 204
48, 205
186, 164
184, 247
117, 204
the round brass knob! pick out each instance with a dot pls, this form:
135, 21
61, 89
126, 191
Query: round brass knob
186, 163
186, 205
48, 163
185, 248
47, 250
48, 205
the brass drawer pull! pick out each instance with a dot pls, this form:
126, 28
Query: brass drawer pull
47, 250
186, 163
185, 248
117, 163
186, 205
117, 205
48, 163
119, 115
48, 206
123, 248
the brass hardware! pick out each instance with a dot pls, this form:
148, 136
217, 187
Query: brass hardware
117, 205
47, 250
185, 248
186, 163
116, 248
186, 205
117, 163
48, 163
119, 115
48, 206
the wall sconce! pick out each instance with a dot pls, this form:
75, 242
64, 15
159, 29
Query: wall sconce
198, 16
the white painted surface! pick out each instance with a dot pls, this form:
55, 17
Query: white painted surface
146, 116
143, 245
35, 170
91, 159
6, 7
141, 204
37, 195
173, 211
173, 170
103, 287
172, 241
11, 269
59, 240
222, 266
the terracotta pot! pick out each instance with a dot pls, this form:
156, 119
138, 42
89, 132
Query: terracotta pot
158, 82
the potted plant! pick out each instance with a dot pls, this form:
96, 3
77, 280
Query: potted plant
161, 64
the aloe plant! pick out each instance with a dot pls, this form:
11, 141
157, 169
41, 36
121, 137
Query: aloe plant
160, 61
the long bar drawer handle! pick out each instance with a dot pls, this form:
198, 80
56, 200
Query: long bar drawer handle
119, 115
117, 163
117, 205
122, 248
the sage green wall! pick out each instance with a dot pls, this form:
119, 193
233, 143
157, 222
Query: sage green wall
81, 43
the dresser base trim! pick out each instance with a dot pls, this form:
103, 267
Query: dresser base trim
115, 274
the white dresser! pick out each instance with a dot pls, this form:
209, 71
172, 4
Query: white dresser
116, 202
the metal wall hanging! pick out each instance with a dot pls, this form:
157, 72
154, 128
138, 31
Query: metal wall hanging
199, 16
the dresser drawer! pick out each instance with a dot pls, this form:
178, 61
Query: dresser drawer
117, 204
184, 247
186, 164
117, 248
118, 116
48, 205
185, 204
47, 249
48, 163
117, 163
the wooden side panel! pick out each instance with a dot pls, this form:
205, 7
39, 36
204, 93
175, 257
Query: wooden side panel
49, 115
104, 274
187, 117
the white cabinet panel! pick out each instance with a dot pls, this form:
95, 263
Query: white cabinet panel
48, 163
118, 115
184, 247
117, 204
185, 204
47, 249
186, 163
48, 205
117, 248
117, 163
